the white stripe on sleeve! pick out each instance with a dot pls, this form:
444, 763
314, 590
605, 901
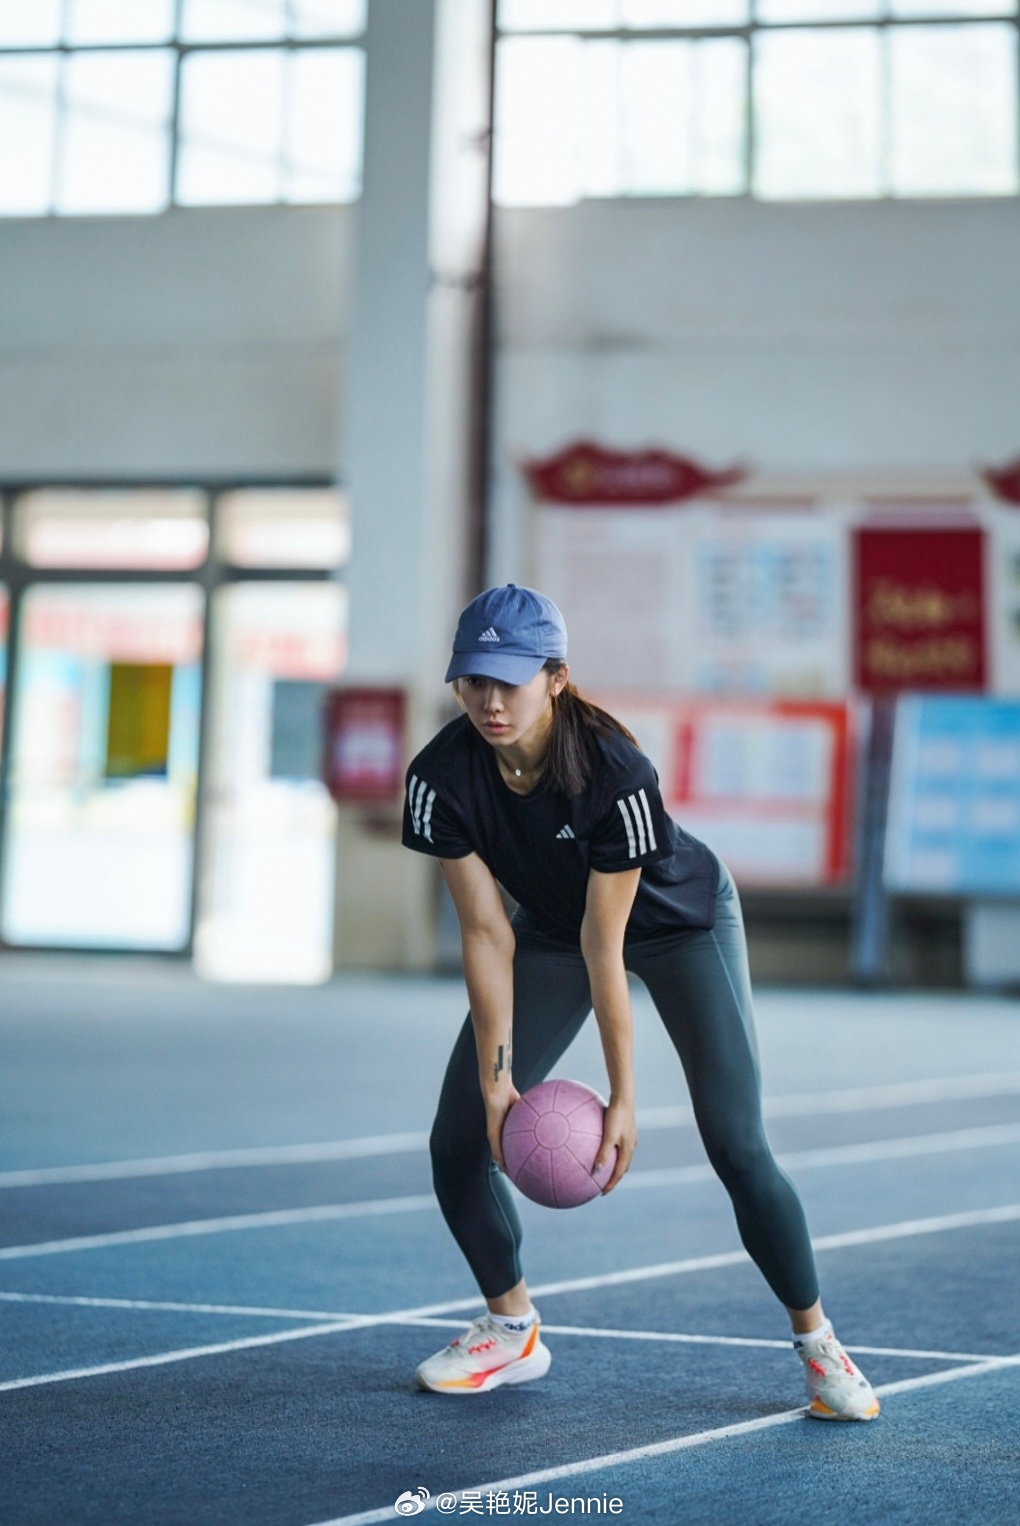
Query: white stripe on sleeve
639, 823
426, 828
648, 819
630, 830
421, 799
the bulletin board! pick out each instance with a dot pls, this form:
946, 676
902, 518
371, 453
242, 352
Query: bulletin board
701, 598
767, 785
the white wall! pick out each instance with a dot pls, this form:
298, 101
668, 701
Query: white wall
802, 339
811, 336
199, 342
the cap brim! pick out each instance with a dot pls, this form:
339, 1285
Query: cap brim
504, 667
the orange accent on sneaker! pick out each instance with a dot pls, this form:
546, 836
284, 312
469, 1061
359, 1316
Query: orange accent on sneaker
818, 1408
479, 1379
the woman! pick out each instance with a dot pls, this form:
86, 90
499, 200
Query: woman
536, 790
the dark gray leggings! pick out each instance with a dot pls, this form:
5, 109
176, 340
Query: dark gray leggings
700, 985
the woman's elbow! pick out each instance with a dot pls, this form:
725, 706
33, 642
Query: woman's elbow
600, 947
489, 938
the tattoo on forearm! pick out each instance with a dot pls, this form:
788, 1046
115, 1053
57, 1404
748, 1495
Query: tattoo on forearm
503, 1060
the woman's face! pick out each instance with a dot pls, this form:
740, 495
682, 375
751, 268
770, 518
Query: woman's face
510, 714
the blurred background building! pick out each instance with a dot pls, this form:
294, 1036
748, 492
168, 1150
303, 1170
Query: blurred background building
715, 337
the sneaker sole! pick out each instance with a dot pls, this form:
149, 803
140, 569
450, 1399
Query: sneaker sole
524, 1370
819, 1411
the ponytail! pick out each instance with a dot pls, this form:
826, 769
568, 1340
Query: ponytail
573, 745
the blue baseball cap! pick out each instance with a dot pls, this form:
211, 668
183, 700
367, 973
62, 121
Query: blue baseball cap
508, 634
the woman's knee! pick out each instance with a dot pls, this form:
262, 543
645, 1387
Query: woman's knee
456, 1154
744, 1164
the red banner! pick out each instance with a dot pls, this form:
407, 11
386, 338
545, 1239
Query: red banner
919, 615
588, 475
1004, 481
364, 755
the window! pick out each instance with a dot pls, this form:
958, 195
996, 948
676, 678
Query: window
130, 106
171, 650
161, 529
284, 527
779, 99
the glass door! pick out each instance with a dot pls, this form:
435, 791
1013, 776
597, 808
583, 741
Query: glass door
170, 648
4, 617
104, 766
269, 825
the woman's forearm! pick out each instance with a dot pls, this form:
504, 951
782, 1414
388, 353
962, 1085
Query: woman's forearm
488, 975
611, 1001
487, 941
607, 909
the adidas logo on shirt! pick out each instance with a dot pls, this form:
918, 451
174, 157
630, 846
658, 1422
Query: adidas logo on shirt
637, 819
565, 832
489, 635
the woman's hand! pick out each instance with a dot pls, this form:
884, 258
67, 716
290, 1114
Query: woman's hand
497, 1105
620, 1130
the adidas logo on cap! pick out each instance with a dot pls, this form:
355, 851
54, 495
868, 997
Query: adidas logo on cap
489, 635
565, 832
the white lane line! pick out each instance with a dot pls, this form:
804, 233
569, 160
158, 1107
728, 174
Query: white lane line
972, 1218
326, 1213
866, 1153
146, 1305
219, 1160
165, 1358
935, 1379
994, 1136
861, 1099
677, 1338
667, 1448
636, 1274
905, 1229
74, 1300
798, 1105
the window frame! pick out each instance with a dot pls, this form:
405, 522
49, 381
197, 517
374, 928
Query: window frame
180, 52
749, 32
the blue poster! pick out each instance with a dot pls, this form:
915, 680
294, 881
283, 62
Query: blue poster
954, 798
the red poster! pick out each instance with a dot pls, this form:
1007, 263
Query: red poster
919, 609
365, 745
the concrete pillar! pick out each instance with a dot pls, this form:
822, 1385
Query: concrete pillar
406, 431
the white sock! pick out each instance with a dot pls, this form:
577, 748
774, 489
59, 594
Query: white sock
518, 1323
813, 1335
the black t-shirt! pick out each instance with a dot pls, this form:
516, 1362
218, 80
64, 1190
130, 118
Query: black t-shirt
541, 846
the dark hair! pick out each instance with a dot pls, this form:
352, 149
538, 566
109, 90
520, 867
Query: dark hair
573, 746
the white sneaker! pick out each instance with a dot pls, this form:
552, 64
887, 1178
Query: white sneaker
837, 1389
485, 1356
